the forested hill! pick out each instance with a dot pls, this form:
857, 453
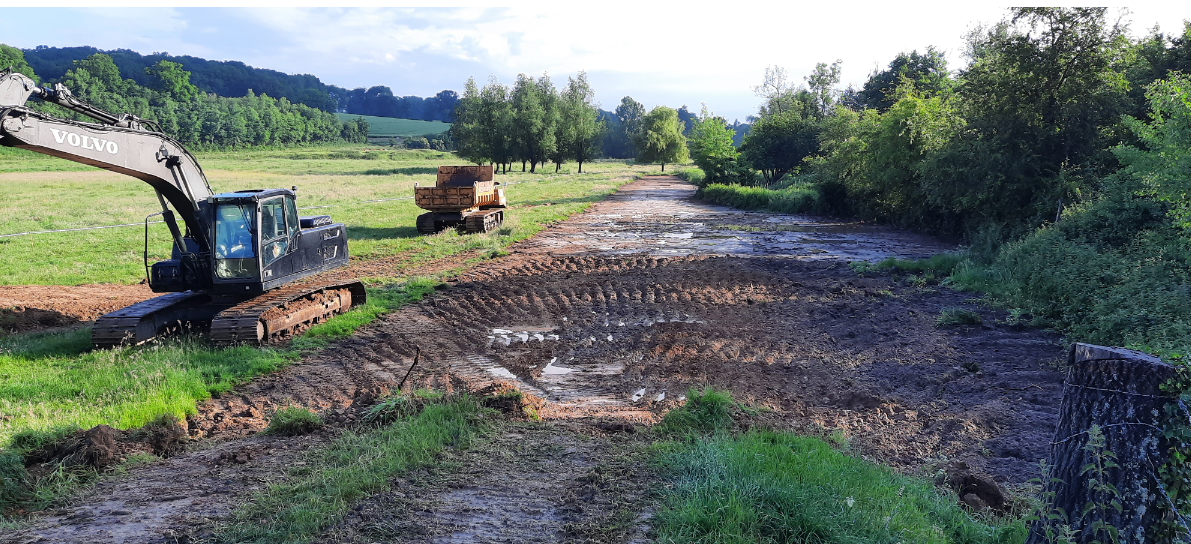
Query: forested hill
234, 79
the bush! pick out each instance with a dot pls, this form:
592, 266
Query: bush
797, 198
293, 421
693, 175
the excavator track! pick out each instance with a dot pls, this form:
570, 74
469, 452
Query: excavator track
284, 312
148, 319
483, 221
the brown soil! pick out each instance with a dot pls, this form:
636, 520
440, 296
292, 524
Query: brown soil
609, 321
25, 308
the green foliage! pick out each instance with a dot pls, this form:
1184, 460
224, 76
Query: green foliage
11, 57
778, 142
315, 496
778, 487
660, 139
709, 411
927, 72
693, 175
954, 317
713, 152
1164, 165
195, 118
579, 121
797, 198
293, 421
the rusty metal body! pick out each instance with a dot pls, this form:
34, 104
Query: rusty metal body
462, 195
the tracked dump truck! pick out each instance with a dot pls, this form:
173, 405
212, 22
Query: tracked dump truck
462, 195
236, 256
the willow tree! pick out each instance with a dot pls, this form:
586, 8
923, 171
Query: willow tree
659, 138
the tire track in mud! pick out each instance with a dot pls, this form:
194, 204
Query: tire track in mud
622, 334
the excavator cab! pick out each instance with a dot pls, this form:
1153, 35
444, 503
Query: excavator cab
259, 242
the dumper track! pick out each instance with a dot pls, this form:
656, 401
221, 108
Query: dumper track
483, 221
284, 312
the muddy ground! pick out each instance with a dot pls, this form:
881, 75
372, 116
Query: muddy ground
611, 316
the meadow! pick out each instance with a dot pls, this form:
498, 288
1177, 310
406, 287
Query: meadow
53, 380
382, 127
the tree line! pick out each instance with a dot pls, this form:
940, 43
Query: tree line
534, 123
194, 117
235, 79
993, 150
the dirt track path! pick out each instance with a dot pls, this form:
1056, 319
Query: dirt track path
612, 315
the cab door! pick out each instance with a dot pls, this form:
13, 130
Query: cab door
276, 261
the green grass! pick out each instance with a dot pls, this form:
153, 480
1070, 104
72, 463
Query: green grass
315, 495
293, 421
392, 126
765, 486
955, 317
777, 487
330, 180
797, 198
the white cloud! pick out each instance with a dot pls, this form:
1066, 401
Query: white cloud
654, 52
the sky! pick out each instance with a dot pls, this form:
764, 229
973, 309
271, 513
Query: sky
660, 54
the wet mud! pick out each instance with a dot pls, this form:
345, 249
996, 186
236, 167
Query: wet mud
609, 321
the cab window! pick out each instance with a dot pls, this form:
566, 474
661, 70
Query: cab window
274, 233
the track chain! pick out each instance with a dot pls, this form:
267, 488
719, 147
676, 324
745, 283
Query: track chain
483, 221
244, 323
140, 322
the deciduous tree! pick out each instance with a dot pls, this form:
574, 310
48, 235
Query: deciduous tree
660, 138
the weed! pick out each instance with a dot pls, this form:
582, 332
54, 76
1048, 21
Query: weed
708, 411
954, 317
293, 421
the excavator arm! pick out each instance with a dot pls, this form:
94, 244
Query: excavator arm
120, 143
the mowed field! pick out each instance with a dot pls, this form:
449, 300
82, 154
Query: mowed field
53, 380
383, 127
369, 190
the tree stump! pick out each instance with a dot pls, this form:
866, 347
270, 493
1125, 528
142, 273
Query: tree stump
1117, 390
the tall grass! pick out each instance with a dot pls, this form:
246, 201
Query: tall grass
777, 487
764, 486
797, 198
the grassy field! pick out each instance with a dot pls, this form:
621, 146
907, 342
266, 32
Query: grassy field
335, 181
54, 380
391, 126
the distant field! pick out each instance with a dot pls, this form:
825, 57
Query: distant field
391, 126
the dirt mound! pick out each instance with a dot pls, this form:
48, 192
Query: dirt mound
102, 446
19, 319
25, 308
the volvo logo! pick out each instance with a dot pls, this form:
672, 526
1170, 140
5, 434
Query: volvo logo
85, 142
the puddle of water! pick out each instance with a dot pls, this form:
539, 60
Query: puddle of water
502, 372
554, 370
683, 235
637, 395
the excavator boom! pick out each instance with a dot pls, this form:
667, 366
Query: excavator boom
236, 266
118, 143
